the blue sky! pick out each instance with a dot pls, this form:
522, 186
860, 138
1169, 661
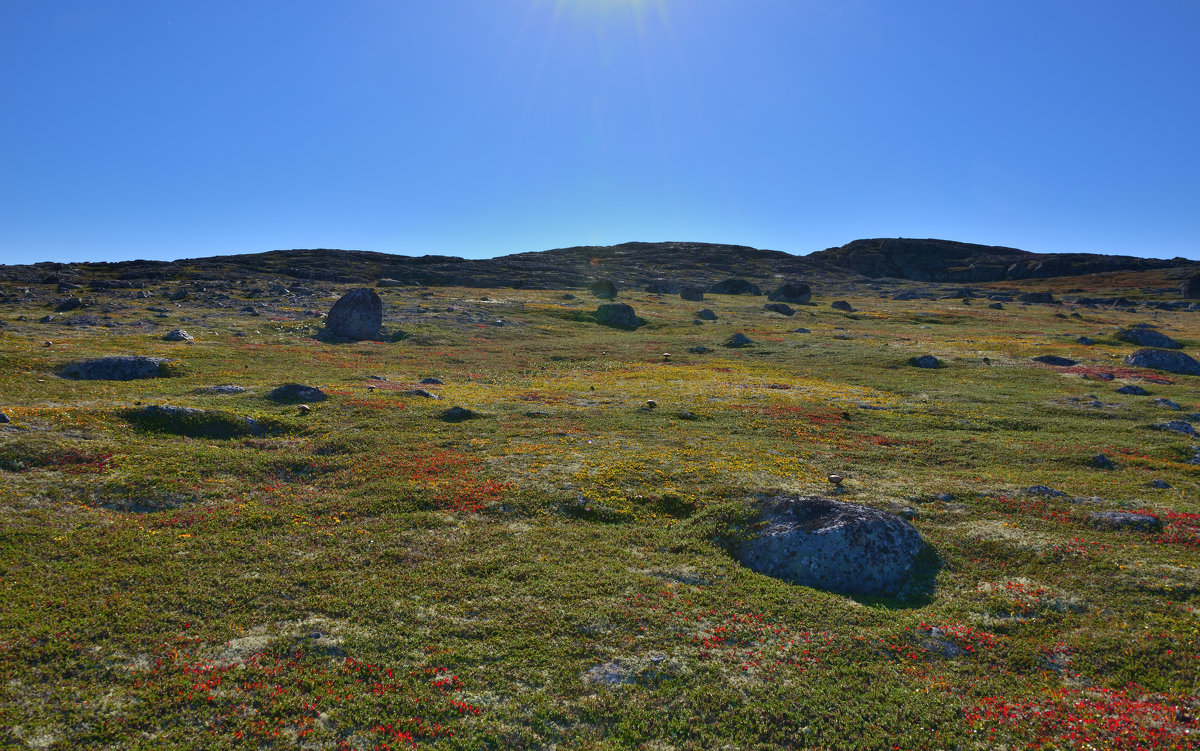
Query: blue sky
482, 127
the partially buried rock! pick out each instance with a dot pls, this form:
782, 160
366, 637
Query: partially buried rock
801, 331
793, 292
618, 315
71, 303
996, 306
706, 315
458, 414
357, 315
1175, 426
1133, 390
421, 393
119, 368
1086, 341
738, 340
4, 418
227, 388
1147, 337
179, 335
1044, 298
1055, 360
1101, 461
293, 393
831, 545
925, 361
1125, 520
195, 423
842, 305
780, 308
699, 349
1163, 359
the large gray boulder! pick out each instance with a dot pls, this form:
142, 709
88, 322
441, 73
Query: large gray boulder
831, 545
1164, 359
357, 315
1144, 337
793, 292
118, 368
618, 315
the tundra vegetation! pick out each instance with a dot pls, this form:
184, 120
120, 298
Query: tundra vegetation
556, 571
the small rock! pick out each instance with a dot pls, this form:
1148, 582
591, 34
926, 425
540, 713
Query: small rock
430, 382
706, 315
4, 418
925, 361
291, 393
1045, 490
1159, 484
801, 330
1125, 520
178, 335
223, 389
458, 414
71, 303
1055, 360
842, 305
1133, 390
686, 415
699, 350
996, 306
738, 340
422, 393
1101, 461
691, 294
781, 308
1166, 403
1176, 426
1085, 340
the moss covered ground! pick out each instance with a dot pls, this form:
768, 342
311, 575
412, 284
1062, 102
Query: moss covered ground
554, 573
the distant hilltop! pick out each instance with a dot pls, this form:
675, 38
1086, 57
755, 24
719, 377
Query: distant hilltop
950, 261
664, 266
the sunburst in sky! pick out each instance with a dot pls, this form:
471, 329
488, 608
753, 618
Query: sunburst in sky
480, 127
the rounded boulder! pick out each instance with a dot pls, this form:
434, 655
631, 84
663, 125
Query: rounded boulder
834, 546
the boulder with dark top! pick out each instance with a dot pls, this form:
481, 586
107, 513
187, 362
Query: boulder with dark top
1148, 337
605, 289
735, 287
178, 335
925, 361
780, 308
1055, 360
1164, 359
842, 305
738, 340
294, 393
839, 547
1125, 520
691, 294
618, 315
357, 315
118, 368
706, 315
796, 293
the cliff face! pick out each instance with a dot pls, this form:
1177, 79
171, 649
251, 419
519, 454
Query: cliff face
949, 261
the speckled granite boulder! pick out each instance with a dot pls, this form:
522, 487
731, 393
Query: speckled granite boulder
831, 545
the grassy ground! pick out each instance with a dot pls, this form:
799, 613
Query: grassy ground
550, 574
